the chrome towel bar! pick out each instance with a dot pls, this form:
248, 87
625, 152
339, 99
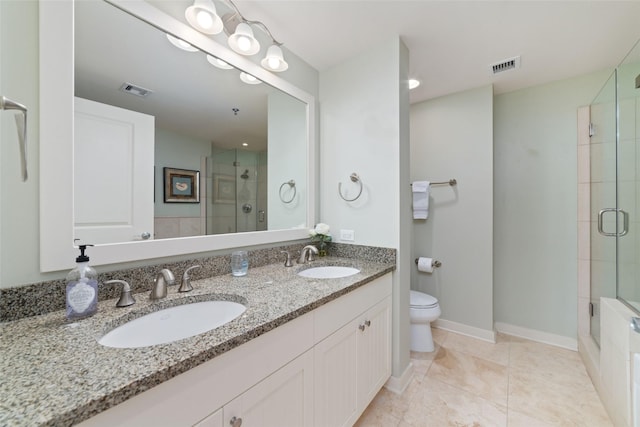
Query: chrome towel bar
451, 182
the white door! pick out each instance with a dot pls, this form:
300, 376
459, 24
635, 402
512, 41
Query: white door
113, 173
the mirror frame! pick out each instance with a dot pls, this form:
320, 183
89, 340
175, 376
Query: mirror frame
57, 251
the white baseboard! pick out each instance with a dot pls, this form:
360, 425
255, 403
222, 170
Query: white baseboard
538, 336
399, 384
470, 331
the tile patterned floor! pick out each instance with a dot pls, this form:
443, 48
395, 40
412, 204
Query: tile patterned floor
468, 382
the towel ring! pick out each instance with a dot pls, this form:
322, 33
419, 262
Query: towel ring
7, 104
291, 184
354, 178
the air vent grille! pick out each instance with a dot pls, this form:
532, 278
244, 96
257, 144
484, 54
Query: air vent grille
506, 65
135, 90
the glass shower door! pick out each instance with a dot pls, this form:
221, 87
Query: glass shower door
628, 101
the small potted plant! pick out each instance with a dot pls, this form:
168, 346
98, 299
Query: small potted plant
321, 235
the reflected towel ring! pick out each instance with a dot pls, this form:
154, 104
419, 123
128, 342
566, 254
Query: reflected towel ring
354, 178
21, 124
291, 184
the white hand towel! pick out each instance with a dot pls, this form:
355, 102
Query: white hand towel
420, 191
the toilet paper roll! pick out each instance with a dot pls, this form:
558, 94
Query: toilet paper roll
425, 264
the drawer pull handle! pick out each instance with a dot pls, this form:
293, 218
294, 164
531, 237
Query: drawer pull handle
235, 422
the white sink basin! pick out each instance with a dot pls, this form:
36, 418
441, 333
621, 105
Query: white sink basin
328, 272
172, 324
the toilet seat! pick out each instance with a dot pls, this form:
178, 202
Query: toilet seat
421, 300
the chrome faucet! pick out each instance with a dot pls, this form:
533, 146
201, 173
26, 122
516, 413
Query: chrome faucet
185, 286
165, 277
307, 254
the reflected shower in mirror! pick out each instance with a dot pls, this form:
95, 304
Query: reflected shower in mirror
244, 139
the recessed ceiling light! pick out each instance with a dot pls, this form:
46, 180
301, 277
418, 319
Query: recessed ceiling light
413, 83
244, 144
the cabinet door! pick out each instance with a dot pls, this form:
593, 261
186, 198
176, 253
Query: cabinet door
374, 351
282, 399
335, 378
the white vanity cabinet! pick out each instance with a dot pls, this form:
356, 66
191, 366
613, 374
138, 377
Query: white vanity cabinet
354, 362
321, 369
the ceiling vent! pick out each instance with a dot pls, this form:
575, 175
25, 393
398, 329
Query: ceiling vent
506, 65
135, 90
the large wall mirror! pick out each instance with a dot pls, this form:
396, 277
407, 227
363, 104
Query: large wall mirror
225, 163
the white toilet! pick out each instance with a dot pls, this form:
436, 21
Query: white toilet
423, 309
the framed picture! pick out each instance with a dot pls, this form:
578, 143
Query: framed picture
224, 189
181, 186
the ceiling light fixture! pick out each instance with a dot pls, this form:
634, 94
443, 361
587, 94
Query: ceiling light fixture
243, 41
413, 83
249, 79
274, 61
203, 17
217, 62
179, 43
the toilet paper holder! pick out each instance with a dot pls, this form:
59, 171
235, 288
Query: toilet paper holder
434, 263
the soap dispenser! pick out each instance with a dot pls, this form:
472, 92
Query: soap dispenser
82, 288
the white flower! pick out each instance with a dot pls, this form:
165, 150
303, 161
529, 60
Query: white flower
322, 228
312, 232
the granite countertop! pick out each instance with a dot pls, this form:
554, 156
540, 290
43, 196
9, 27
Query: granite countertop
54, 372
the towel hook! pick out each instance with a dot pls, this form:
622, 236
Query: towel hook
354, 178
292, 184
7, 104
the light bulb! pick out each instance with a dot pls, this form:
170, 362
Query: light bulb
274, 63
204, 18
244, 44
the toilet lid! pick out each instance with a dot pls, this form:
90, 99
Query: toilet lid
420, 299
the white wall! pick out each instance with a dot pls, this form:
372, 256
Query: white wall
452, 137
19, 229
286, 161
535, 236
363, 129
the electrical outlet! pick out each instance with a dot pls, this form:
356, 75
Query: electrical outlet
347, 235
